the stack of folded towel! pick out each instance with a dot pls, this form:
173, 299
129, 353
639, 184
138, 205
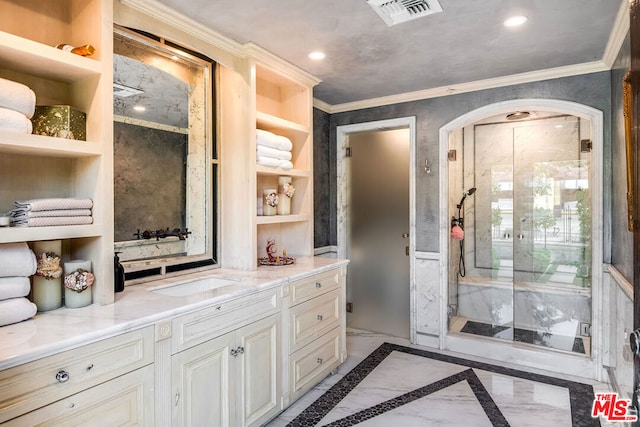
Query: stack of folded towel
17, 263
17, 105
48, 212
273, 150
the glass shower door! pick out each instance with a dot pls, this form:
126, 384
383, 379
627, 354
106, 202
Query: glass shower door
552, 234
526, 252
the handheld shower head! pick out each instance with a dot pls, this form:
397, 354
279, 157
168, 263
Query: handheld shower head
469, 192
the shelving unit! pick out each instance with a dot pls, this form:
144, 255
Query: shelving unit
284, 107
269, 94
33, 166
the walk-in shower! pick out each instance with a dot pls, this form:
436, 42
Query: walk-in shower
519, 263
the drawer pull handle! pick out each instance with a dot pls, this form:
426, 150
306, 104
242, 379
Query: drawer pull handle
318, 285
319, 360
218, 308
62, 376
240, 350
90, 367
177, 398
234, 352
319, 317
72, 405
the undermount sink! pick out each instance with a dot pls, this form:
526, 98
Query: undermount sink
193, 287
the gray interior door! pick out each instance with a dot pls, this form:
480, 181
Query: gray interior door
377, 231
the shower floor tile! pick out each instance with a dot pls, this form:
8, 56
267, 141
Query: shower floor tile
574, 343
398, 385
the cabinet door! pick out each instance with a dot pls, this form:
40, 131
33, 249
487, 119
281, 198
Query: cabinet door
124, 401
259, 371
202, 385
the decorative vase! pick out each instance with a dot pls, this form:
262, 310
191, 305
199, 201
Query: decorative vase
47, 282
77, 283
269, 202
285, 193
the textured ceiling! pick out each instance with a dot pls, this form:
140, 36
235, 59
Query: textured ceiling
367, 59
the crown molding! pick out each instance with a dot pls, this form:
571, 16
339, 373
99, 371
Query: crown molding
323, 106
183, 23
528, 77
618, 34
230, 47
275, 63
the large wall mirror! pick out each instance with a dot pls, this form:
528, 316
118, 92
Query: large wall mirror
165, 166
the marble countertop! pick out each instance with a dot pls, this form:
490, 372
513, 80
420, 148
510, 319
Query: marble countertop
138, 306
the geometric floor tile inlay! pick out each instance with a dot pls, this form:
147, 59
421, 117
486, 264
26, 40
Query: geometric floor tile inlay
399, 386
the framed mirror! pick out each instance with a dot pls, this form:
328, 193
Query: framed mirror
165, 166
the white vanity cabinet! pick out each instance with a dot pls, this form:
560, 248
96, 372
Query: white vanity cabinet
108, 382
317, 329
232, 377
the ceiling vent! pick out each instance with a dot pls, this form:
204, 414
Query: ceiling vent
396, 11
125, 91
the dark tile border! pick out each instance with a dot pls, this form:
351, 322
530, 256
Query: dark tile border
581, 396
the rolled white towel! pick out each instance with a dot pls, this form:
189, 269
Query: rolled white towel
16, 259
13, 121
267, 161
51, 204
276, 163
14, 287
263, 150
270, 139
16, 310
18, 97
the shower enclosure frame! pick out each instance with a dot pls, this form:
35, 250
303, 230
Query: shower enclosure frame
512, 351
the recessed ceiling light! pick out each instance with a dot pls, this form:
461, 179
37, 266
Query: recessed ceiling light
514, 21
139, 108
175, 57
317, 55
518, 115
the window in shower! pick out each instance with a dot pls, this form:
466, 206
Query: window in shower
527, 232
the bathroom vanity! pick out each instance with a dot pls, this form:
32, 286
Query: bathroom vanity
235, 348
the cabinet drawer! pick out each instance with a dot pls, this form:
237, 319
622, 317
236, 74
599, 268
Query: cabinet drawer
306, 289
314, 362
203, 325
124, 401
35, 384
313, 318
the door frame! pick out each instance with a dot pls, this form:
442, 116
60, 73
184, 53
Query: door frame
343, 186
575, 365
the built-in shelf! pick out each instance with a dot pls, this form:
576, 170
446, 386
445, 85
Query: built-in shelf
267, 170
281, 219
264, 120
37, 59
17, 143
29, 234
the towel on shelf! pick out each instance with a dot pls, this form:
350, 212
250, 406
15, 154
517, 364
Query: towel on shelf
264, 151
47, 221
51, 204
273, 162
16, 259
14, 287
13, 121
22, 215
16, 310
17, 97
270, 139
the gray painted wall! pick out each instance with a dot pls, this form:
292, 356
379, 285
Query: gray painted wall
593, 90
321, 180
621, 237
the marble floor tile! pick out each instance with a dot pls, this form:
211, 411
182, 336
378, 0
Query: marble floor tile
388, 382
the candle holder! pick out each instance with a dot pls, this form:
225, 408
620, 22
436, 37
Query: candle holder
77, 283
47, 282
269, 202
285, 193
